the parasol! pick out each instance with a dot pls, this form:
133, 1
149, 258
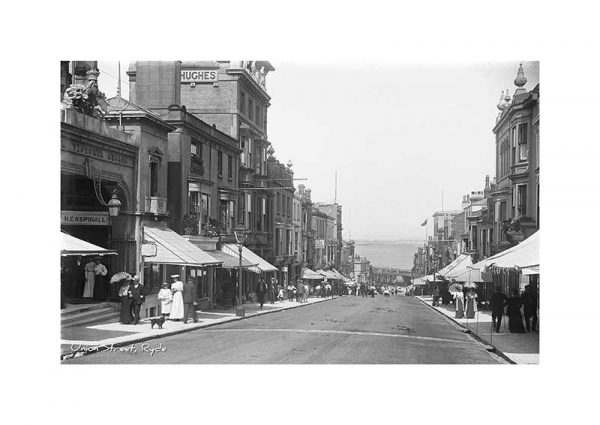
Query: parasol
469, 285
117, 277
455, 287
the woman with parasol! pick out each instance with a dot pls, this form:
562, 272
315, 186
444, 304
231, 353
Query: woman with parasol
122, 279
471, 303
456, 290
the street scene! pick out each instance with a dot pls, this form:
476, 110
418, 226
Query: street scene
211, 214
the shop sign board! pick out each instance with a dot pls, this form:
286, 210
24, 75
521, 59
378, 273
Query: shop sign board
84, 218
199, 76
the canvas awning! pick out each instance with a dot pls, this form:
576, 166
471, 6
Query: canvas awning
310, 275
460, 267
450, 267
524, 256
262, 265
338, 274
328, 274
171, 248
471, 275
70, 245
229, 261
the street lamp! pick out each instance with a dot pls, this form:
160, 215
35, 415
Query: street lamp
240, 233
114, 205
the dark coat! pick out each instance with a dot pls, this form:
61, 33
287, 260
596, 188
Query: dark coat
136, 294
514, 306
189, 292
498, 302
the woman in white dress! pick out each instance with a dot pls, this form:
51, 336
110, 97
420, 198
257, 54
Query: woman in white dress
177, 304
165, 295
90, 279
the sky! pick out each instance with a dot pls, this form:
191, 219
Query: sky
406, 139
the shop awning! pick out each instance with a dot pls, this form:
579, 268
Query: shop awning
338, 274
229, 261
450, 267
461, 266
262, 266
171, 248
469, 275
329, 274
70, 245
310, 275
524, 256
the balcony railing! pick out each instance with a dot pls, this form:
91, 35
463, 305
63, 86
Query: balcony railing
156, 204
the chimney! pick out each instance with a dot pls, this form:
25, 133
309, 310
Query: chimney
158, 84
301, 189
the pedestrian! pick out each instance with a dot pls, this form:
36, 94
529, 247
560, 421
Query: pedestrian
460, 303
436, 296
189, 296
299, 291
291, 290
125, 313
272, 290
533, 300
471, 304
260, 292
318, 289
136, 295
166, 299
280, 295
90, 279
100, 285
513, 310
305, 294
498, 303
328, 290
177, 304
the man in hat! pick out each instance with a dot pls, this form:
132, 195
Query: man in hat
136, 295
189, 300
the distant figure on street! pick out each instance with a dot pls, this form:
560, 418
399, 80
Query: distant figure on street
100, 285
328, 290
498, 303
529, 308
460, 304
260, 292
436, 296
471, 304
125, 313
305, 293
136, 294
533, 300
90, 279
299, 291
280, 295
189, 296
515, 318
166, 299
177, 305
318, 289
290, 291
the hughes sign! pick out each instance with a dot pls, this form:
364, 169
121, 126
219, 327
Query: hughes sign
199, 76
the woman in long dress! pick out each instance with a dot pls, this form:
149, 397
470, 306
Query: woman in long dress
165, 295
513, 310
177, 305
471, 304
460, 304
90, 279
125, 316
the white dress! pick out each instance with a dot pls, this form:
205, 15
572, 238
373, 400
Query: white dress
90, 279
177, 306
166, 300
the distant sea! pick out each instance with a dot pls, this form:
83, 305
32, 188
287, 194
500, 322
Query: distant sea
398, 254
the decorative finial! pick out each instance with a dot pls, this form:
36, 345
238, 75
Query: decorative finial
521, 79
271, 151
501, 105
289, 164
507, 97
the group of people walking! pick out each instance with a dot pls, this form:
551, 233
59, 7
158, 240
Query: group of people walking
178, 300
518, 321
464, 307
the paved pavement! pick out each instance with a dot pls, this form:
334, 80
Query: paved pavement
519, 348
90, 338
344, 330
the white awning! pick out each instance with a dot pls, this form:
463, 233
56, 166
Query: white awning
70, 245
262, 266
171, 248
310, 275
524, 256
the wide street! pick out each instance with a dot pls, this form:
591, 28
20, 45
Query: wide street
346, 330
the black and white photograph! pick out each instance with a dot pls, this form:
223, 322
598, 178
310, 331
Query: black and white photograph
212, 212
300, 212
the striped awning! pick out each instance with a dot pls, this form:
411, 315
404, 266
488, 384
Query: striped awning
230, 261
262, 265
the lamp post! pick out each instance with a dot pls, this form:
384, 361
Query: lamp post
240, 236
114, 206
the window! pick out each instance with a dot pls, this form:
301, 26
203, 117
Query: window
193, 148
537, 221
205, 204
257, 113
243, 103
537, 144
522, 200
154, 179
523, 147
251, 110
194, 202
514, 146
229, 167
220, 163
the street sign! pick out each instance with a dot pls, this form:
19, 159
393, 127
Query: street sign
149, 250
